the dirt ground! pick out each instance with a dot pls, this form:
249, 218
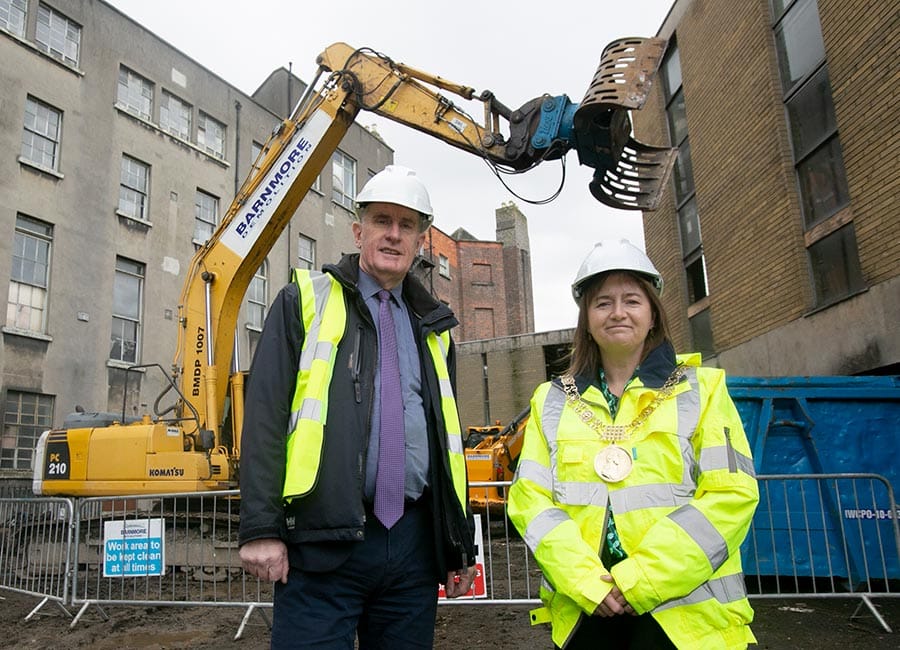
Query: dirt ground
782, 624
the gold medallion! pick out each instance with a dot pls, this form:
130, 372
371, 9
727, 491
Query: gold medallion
613, 464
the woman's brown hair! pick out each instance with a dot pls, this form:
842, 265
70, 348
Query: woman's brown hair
585, 358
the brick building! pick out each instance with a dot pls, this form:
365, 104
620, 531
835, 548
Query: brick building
779, 236
486, 283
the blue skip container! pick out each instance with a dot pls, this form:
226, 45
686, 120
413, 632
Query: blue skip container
823, 445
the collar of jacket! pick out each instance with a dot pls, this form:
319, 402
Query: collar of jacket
426, 308
653, 372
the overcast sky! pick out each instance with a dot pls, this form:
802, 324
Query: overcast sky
518, 50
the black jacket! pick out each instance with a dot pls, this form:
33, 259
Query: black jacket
321, 527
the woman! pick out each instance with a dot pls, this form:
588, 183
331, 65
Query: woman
635, 486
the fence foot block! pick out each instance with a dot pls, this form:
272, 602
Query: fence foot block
253, 607
84, 608
874, 610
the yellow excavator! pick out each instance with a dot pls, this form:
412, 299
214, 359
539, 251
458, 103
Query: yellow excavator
492, 454
194, 444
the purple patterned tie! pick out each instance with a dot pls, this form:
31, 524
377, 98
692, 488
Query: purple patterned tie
392, 447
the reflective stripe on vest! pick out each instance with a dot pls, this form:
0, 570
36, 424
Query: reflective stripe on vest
324, 319
438, 347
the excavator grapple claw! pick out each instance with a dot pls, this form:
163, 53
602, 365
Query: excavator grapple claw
629, 174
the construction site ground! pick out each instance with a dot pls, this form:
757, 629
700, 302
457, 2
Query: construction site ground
783, 624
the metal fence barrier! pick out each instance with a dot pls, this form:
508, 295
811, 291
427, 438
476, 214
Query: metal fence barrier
813, 536
825, 536
171, 549
36, 548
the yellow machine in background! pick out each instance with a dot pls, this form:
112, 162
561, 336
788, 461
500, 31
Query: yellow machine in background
492, 453
193, 444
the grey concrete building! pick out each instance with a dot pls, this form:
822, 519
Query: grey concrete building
118, 156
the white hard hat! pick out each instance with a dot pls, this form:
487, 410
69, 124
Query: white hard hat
616, 255
400, 185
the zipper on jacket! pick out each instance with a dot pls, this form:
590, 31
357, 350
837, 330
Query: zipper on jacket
603, 529
355, 364
729, 449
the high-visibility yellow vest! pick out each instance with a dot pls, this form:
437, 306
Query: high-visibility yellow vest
681, 514
324, 317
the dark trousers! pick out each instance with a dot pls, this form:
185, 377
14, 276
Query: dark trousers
622, 632
385, 593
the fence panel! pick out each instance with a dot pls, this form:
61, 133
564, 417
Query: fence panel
814, 535
824, 536
510, 574
35, 547
167, 549
835, 533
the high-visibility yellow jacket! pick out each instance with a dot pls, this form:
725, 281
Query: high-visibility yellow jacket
681, 514
307, 420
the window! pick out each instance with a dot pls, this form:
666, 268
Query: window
818, 158
135, 94
12, 16
481, 273
444, 266
255, 153
823, 184
128, 290
175, 116
817, 150
835, 265
257, 298
701, 333
343, 179
25, 418
683, 179
211, 135
695, 270
26, 307
306, 253
41, 135
798, 40
57, 35
206, 213
683, 172
133, 188
484, 323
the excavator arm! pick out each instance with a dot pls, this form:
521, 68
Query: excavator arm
628, 174
186, 452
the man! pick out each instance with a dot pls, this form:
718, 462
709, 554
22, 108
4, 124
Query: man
353, 490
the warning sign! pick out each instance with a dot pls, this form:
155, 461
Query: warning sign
477, 590
133, 548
